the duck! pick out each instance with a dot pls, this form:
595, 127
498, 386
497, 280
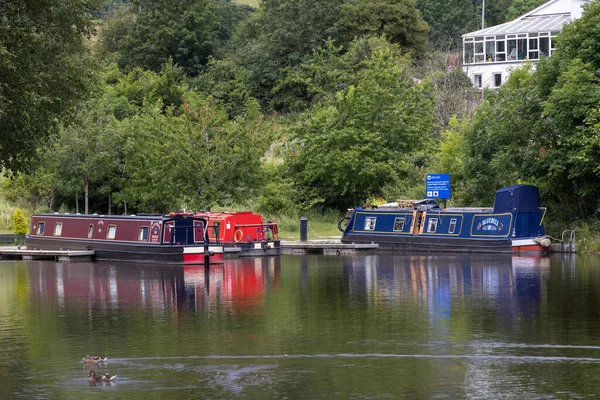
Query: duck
100, 378
93, 359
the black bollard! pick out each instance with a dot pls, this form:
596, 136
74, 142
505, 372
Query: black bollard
303, 229
206, 255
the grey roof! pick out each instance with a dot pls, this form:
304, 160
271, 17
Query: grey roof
537, 23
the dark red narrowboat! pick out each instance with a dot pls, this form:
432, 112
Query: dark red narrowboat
242, 229
177, 239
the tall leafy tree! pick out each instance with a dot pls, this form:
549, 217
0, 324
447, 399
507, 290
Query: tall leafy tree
363, 135
520, 7
283, 34
449, 19
185, 31
399, 21
43, 72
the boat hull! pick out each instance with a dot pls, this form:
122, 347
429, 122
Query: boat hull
256, 249
131, 252
444, 245
431, 244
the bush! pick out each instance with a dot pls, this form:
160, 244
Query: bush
19, 223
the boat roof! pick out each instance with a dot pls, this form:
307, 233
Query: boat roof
152, 217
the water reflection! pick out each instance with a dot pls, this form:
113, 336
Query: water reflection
432, 280
236, 284
305, 327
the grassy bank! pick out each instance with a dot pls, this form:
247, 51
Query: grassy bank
253, 3
7, 210
320, 226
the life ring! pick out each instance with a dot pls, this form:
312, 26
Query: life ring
238, 238
343, 223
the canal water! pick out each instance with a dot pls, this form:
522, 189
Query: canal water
305, 327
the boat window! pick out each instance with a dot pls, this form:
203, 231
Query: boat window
90, 231
432, 225
40, 230
370, 223
399, 224
111, 232
58, 229
143, 235
452, 227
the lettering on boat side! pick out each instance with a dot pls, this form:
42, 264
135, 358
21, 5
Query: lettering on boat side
489, 224
154, 237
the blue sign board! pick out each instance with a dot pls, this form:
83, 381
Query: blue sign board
437, 186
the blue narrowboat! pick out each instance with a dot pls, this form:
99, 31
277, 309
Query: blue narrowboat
514, 224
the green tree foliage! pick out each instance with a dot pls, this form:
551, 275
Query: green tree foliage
399, 21
283, 34
19, 223
128, 148
363, 136
449, 19
194, 160
185, 31
43, 72
500, 140
520, 7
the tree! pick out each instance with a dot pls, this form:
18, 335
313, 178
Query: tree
43, 70
449, 19
194, 160
185, 31
502, 138
282, 35
399, 21
520, 7
363, 136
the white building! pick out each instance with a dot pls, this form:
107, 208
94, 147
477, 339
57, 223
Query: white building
490, 54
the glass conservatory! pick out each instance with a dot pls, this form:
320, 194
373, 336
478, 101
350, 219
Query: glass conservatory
490, 54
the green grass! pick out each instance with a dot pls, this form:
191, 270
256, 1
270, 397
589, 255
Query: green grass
7, 210
253, 3
320, 226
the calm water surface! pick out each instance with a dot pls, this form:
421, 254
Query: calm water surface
305, 327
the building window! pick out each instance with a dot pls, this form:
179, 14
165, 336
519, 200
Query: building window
490, 51
479, 54
40, 230
477, 81
452, 227
501, 49
58, 229
399, 224
90, 231
111, 232
497, 80
432, 225
533, 48
370, 223
468, 52
521, 49
544, 46
511, 49
143, 234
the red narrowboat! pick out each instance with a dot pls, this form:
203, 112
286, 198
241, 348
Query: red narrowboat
176, 239
242, 229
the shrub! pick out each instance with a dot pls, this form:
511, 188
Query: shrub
19, 223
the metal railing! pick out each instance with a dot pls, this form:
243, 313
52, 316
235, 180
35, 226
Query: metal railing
570, 246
